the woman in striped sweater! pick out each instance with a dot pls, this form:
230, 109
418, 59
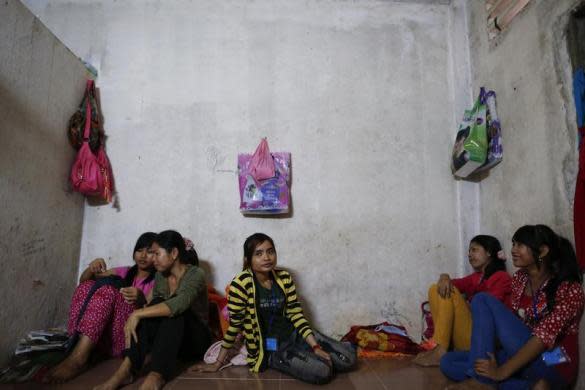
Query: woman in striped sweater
263, 305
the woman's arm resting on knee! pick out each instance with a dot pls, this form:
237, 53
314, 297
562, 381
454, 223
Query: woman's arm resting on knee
97, 268
317, 348
489, 367
158, 310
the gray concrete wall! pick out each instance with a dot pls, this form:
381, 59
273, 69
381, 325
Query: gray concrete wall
362, 95
41, 83
529, 69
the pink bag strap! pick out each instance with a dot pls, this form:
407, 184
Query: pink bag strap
88, 89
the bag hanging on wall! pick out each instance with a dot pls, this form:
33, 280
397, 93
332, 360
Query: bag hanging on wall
495, 152
470, 149
91, 174
76, 128
259, 192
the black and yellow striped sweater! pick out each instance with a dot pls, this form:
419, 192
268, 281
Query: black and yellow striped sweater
243, 314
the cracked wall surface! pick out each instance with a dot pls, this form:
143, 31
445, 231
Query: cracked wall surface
41, 84
361, 93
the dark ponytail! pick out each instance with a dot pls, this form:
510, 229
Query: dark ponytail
144, 241
560, 261
170, 239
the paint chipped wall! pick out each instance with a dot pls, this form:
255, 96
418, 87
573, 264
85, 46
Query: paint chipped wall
530, 71
40, 233
360, 93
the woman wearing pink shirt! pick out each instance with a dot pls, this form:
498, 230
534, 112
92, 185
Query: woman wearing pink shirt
102, 324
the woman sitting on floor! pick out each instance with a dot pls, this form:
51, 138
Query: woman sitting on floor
174, 325
450, 310
263, 304
102, 323
538, 338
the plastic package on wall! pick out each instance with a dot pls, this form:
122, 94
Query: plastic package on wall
267, 196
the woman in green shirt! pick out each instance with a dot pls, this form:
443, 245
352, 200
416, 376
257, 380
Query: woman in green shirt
174, 325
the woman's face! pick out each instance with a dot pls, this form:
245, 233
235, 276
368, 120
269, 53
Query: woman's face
264, 258
144, 259
163, 260
521, 255
478, 257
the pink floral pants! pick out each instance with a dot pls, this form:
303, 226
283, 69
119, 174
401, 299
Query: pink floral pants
104, 318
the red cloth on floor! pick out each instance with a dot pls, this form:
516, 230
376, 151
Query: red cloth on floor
579, 205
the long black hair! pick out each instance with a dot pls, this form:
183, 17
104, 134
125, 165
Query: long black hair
250, 245
560, 261
492, 246
144, 241
170, 239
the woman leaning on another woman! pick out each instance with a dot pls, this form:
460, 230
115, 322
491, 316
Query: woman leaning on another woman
263, 304
174, 324
533, 341
101, 325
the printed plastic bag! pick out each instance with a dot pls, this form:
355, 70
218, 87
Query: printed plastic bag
264, 196
262, 166
470, 149
494, 133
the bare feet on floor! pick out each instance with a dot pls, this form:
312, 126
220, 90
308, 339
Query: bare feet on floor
430, 358
153, 381
64, 371
470, 384
121, 377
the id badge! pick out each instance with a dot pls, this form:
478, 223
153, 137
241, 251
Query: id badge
271, 344
554, 357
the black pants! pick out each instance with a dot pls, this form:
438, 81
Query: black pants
185, 337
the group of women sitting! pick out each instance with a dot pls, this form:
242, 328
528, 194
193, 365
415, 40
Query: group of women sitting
517, 332
158, 309
513, 332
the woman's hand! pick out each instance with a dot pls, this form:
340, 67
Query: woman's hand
323, 355
444, 286
205, 367
132, 295
130, 329
489, 368
98, 266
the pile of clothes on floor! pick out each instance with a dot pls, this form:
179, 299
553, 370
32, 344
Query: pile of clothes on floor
384, 340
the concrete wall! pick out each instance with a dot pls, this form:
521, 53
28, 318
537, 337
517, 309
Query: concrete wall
529, 69
41, 83
362, 95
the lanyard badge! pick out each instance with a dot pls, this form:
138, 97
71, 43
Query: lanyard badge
555, 356
272, 342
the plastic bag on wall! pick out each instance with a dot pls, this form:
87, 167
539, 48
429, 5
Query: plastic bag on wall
494, 133
269, 195
471, 144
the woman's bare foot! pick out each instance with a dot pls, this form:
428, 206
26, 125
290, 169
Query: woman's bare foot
430, 358
541, 385
121, 377
73, 365
470, 384
153, 381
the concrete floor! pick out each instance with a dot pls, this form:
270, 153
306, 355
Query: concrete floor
370, 375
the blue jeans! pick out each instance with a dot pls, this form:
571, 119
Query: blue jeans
295, 358
492, 321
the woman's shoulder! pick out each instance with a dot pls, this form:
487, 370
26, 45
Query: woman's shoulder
500, 276
571, 290
242, 276
194, 271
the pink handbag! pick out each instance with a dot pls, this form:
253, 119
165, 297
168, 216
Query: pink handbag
262, 164
91, 175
